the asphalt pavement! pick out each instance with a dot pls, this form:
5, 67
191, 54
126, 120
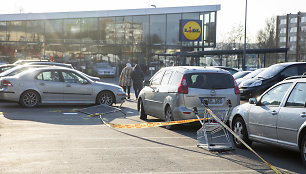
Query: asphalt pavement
61, 139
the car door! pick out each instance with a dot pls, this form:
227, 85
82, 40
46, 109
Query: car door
263, 116
75, 89
49, 84
292, 115
152, 101
161, 93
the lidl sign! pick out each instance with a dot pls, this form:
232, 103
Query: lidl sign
191, 30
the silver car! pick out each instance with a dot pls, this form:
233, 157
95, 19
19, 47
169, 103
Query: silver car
277, 117
174, 91
54, 84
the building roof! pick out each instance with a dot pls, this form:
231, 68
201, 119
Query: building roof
107, 13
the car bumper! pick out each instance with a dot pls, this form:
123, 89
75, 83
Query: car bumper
246, 93
183, 113
8, 95
120, 97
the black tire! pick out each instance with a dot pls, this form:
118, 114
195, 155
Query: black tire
142, 113
240, 129
106, 98
29, 99
169, 117
303, 150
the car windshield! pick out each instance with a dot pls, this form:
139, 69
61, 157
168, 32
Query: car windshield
253, 73
270, 72
240, 74
209, 80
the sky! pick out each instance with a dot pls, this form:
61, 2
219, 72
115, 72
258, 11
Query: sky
230, 16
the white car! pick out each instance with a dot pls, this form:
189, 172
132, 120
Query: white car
54, 84
277, 117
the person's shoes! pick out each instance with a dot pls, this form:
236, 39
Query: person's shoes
128, 96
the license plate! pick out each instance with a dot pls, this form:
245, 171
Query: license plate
213, 100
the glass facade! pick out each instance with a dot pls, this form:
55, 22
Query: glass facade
117, 40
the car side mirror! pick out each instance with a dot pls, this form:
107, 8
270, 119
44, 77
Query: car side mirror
84, 82
252, 101
146, 83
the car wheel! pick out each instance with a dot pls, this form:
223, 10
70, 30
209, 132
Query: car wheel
303, 150
29, 99
169, 117
142, 113
240, 129
106, 98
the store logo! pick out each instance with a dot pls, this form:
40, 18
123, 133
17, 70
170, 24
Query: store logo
192, 30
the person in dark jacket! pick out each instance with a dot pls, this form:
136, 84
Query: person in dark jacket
137, 77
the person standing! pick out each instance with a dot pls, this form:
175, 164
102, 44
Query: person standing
137, 77
125, 79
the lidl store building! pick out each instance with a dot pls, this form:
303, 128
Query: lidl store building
113, 36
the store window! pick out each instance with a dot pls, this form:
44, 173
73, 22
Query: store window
107, 30
89, 30
157, 29
54, 31
3, 31
72, 30
35, 31
16, 31
173, 29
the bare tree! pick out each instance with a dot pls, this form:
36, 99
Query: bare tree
266, 38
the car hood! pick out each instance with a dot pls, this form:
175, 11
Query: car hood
108, 85
248, 82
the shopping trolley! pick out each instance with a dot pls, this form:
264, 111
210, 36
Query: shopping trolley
212, 135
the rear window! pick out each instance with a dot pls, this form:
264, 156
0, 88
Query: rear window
209, 80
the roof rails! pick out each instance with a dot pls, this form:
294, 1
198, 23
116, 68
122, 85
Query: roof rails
296, 77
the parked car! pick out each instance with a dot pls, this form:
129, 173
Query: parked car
252, 74
53, 84
21, 62
20, 68
104, 70
231, 70
270, 76
277, 117
63, 65
240, 74
174, 91
6, 67
51, 64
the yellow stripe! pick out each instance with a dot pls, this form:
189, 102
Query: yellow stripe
146, 125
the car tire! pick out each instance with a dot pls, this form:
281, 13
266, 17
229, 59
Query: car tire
169, 117
142, 113
29, 99
303, 150
239, 128
106, 97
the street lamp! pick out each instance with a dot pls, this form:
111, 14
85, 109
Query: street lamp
245, 23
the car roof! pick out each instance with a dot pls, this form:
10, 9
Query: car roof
296, 78
194, 69
290, 63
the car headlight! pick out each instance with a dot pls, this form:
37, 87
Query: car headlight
256, 83
120, 90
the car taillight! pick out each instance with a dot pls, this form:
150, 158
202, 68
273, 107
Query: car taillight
237, 91
6, 83
183, 88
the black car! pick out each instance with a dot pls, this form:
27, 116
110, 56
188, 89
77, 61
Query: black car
270, 76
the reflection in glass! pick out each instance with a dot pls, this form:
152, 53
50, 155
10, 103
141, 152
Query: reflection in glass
158, 29
54, 31
16, 31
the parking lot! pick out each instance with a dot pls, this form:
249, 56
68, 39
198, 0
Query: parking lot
60, 139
